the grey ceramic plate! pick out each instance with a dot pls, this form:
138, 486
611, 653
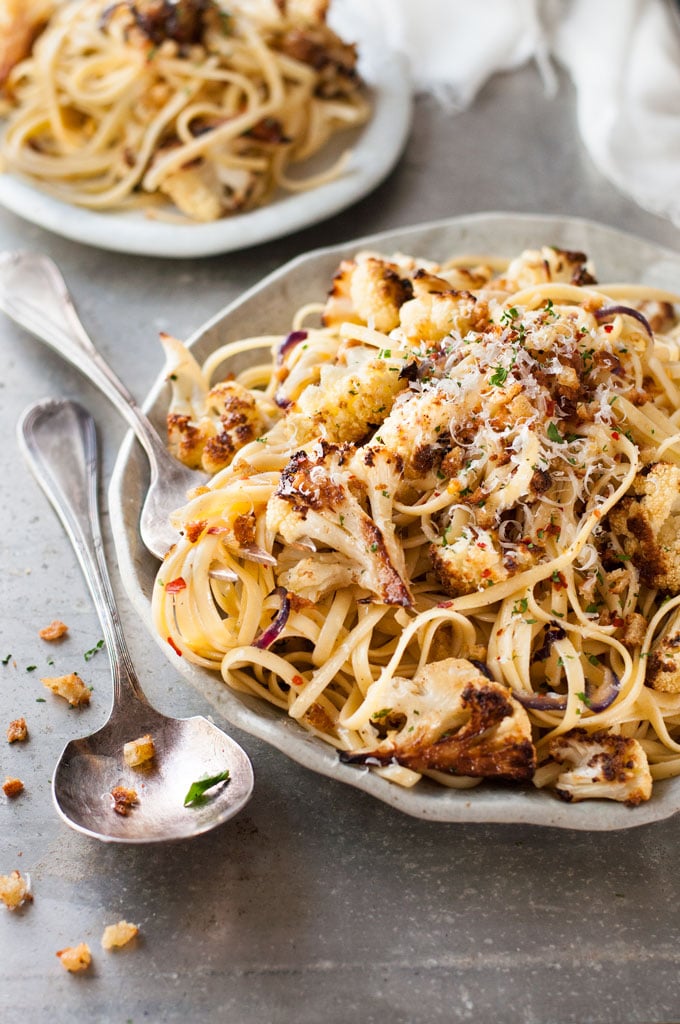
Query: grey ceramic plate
268, 309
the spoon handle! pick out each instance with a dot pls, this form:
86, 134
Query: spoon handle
59, 442
34, 294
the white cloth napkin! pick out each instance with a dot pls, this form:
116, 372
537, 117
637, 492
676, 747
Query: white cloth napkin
623, 56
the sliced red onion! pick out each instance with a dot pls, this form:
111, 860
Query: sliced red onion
255, 554
597, 698
552, 634
609, 311
223, 574
273, 631
282, 400
289, 342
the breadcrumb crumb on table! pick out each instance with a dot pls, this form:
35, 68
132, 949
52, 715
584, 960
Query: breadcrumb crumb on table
139, 751
17, 731
54, 631
119, 934
71, 688
75, 958
123, 799
15, 890
12, 787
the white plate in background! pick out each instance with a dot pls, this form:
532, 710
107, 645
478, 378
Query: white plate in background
375, 148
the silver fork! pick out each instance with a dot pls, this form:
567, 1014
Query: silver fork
33, 294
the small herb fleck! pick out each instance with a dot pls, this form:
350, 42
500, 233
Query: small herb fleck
89, 655
202, 785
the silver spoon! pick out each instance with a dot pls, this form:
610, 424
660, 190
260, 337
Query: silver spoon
58, 440
33, 294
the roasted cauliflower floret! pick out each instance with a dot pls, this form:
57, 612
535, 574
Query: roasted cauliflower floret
313, 501
663, 665
319, 574
368, 290
546, 265
20, 22
417, 430
472, 561
433, 315
601, 766
208, 426
240, 420
195, 190
448, 718
647, 521
349, 401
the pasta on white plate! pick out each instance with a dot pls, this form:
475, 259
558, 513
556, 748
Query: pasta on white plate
200, 105
443, 527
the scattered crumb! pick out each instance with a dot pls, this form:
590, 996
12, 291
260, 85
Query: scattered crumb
15, 890
12, 787
54, 631
75, 958
123, 799
70, 687
136, 752
17, 731
118, 934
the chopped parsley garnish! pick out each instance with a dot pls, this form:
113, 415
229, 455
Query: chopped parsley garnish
31, 668
584, 699
89, 655
509, 315
6, 660
201, 786
553, 433
521, 606
383, 713
498, 377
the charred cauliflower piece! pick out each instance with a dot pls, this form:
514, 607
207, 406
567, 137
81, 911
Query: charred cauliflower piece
367, 290
549, 264
601, 766
240, 421
349, 401
433, 315
647, 521
472, 562
663, 666
20, 23
448, 718
313, 500
205, 193
208, 426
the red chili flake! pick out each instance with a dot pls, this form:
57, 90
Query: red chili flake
297, 680
174, 646
174, 586
616, 435
617, 621
217, 529
549, 406
481, 544
486, 573
609, 328
445, 604
559, 581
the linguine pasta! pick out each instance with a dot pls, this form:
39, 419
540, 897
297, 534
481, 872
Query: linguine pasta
197, 102
442, 528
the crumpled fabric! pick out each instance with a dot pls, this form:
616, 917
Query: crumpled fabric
623, 57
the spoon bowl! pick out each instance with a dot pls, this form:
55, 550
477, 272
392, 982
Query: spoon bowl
90, 768
58, 440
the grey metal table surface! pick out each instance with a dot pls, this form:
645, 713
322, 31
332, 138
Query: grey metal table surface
317, 902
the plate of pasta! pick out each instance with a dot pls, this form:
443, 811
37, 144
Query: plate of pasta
438, 554
192, 128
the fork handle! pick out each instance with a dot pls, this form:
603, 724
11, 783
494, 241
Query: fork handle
34, 294
58, 439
